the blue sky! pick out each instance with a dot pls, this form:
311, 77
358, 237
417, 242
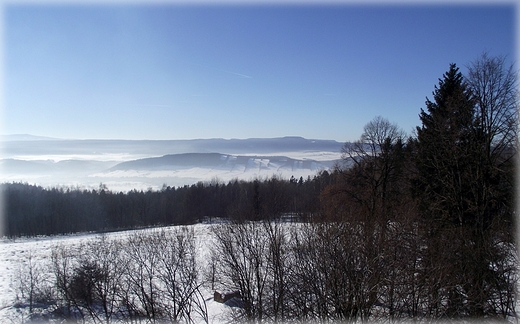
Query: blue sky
171, 71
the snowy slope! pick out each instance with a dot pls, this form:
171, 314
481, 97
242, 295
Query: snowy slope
14, 255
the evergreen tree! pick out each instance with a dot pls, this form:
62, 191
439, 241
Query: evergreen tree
461, 245
443, 144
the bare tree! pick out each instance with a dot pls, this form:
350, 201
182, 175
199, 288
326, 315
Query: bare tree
278, 264
373, 166
63, 265
33, 285
178, 275
142, 275
255, 259
241, 249
494, 86
372, 199
106, 268
162, 276
333, 276
375, 134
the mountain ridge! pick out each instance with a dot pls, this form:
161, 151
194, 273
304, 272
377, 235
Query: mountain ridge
221, 161
39, 147
29, 137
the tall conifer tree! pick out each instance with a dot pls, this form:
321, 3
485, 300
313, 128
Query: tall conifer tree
461, 243
443, 149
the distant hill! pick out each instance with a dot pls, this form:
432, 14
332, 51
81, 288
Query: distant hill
223, 162
25, 137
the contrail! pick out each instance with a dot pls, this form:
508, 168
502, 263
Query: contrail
239, 74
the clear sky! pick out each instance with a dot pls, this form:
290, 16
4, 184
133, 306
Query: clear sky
172, 71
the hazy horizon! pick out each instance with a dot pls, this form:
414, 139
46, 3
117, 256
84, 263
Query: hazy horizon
27, 136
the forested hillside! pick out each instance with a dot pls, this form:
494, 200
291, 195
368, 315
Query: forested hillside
32, 210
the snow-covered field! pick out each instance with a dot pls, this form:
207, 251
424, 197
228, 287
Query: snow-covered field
14, 255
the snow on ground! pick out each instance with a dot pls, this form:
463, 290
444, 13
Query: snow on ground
14, 252
305, 155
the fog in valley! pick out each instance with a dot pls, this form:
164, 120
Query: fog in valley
124, 165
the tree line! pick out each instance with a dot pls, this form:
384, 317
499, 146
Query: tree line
32, 210
408, 227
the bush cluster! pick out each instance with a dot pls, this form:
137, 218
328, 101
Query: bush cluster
151, 276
